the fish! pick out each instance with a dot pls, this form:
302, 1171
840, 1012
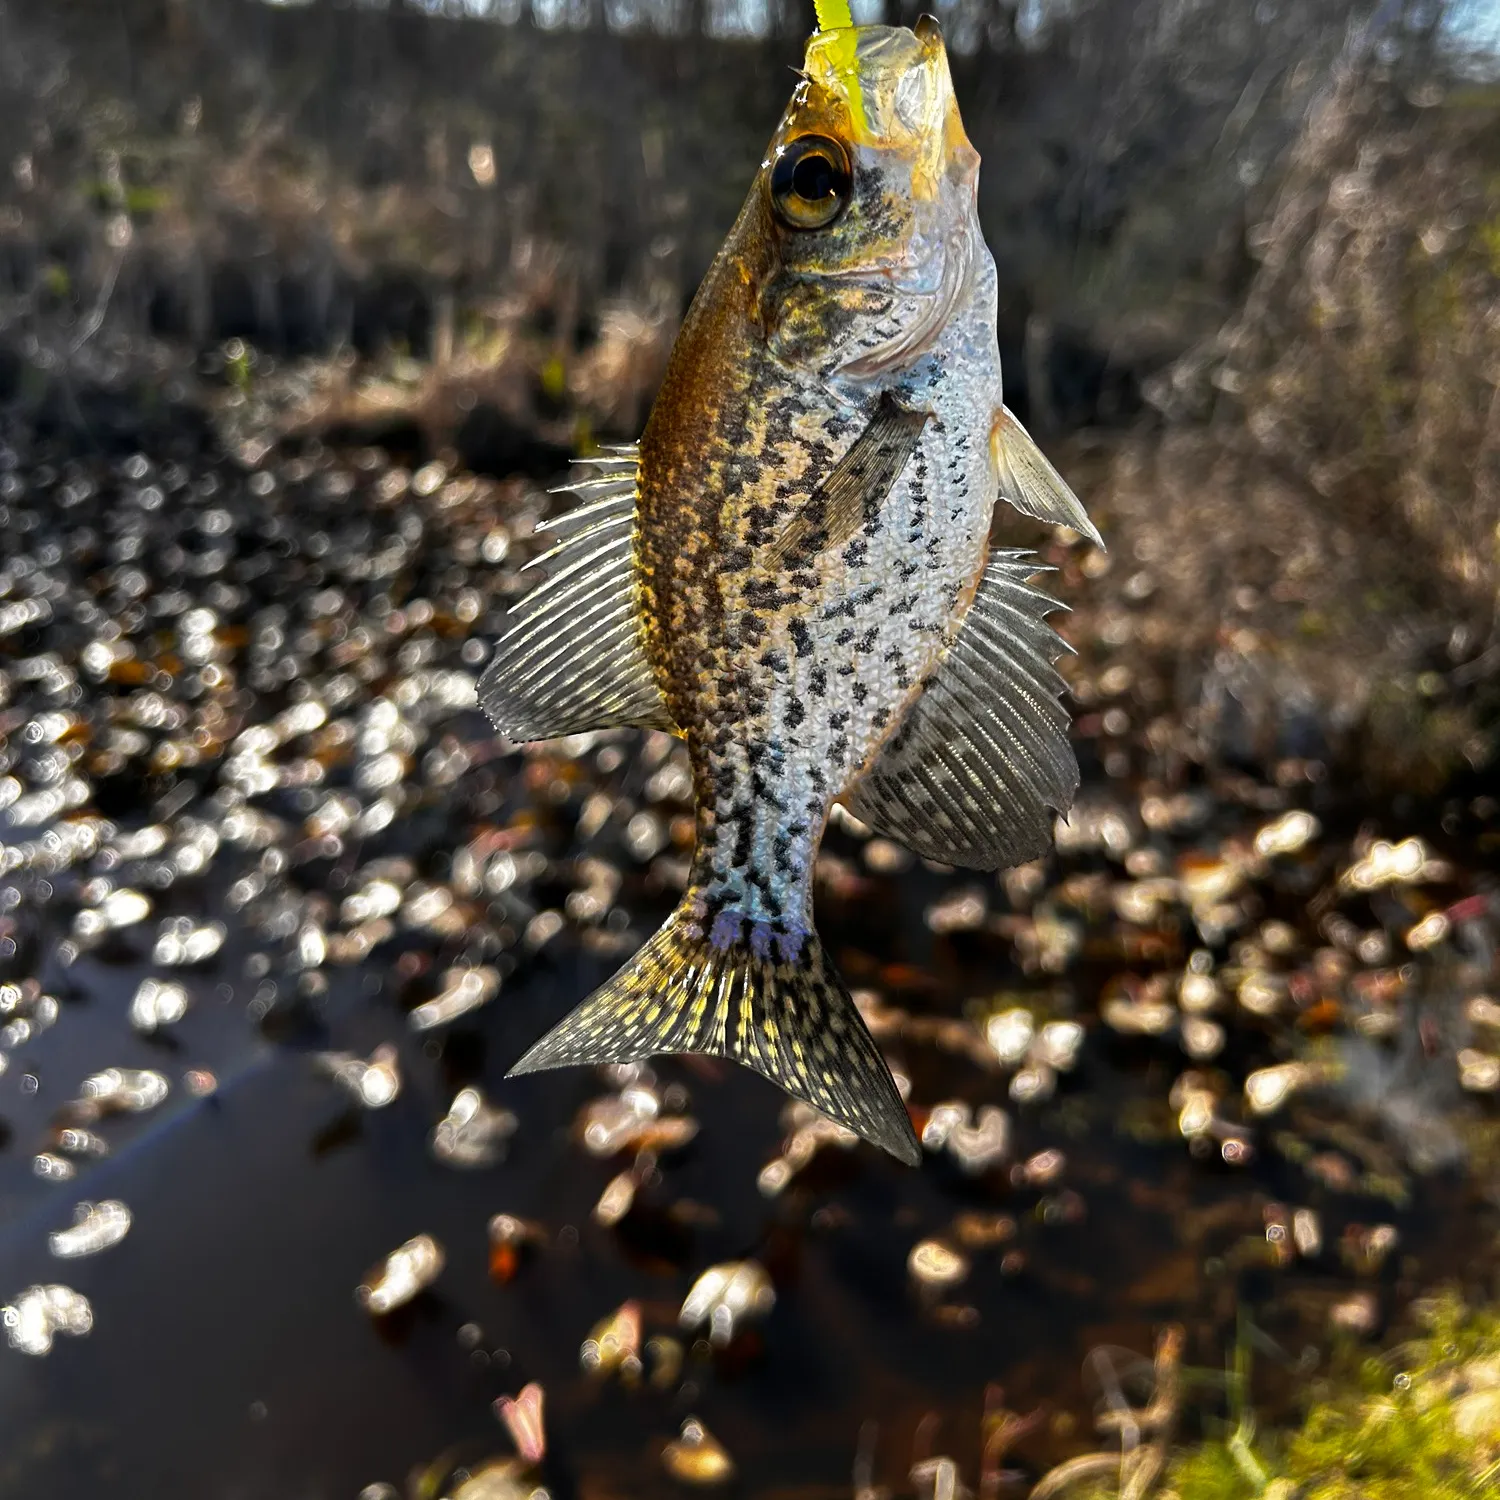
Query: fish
792, 571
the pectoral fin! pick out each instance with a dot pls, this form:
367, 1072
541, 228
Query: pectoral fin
854, 489
1030, 483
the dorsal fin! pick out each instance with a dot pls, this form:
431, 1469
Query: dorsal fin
573, 656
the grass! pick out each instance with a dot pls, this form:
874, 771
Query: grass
1424, 1427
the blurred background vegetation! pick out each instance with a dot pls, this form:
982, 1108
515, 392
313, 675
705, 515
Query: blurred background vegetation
273, 277
1249, 257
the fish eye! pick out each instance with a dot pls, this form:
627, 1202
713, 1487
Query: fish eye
810, 182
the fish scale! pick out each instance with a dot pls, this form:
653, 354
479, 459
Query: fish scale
787, 723
793, 573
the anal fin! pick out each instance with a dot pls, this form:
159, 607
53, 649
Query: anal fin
975, 770
788, 1018
572, 657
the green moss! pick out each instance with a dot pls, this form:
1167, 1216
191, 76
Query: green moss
1424, 1426
1213, 1473
140, 201
1489, 240
57, 281
554, 378
237, 365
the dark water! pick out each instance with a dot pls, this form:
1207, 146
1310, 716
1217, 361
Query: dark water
228, 1356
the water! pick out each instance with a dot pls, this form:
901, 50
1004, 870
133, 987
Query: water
228, 1355
229, 1358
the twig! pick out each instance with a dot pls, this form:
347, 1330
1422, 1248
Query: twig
1139, 1464
95, 320
1086, 1466
864, 1461
1010, 1427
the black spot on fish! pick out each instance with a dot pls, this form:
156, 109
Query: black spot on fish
743, 832
763, 594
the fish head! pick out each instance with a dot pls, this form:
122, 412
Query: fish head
868, 204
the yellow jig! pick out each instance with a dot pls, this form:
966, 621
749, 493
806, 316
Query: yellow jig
843, 51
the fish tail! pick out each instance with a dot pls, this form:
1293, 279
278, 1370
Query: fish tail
770, 1000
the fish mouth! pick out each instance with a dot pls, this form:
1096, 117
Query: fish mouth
894, 82
869, 53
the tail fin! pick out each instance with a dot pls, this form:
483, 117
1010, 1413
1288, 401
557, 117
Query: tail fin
793, 1021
